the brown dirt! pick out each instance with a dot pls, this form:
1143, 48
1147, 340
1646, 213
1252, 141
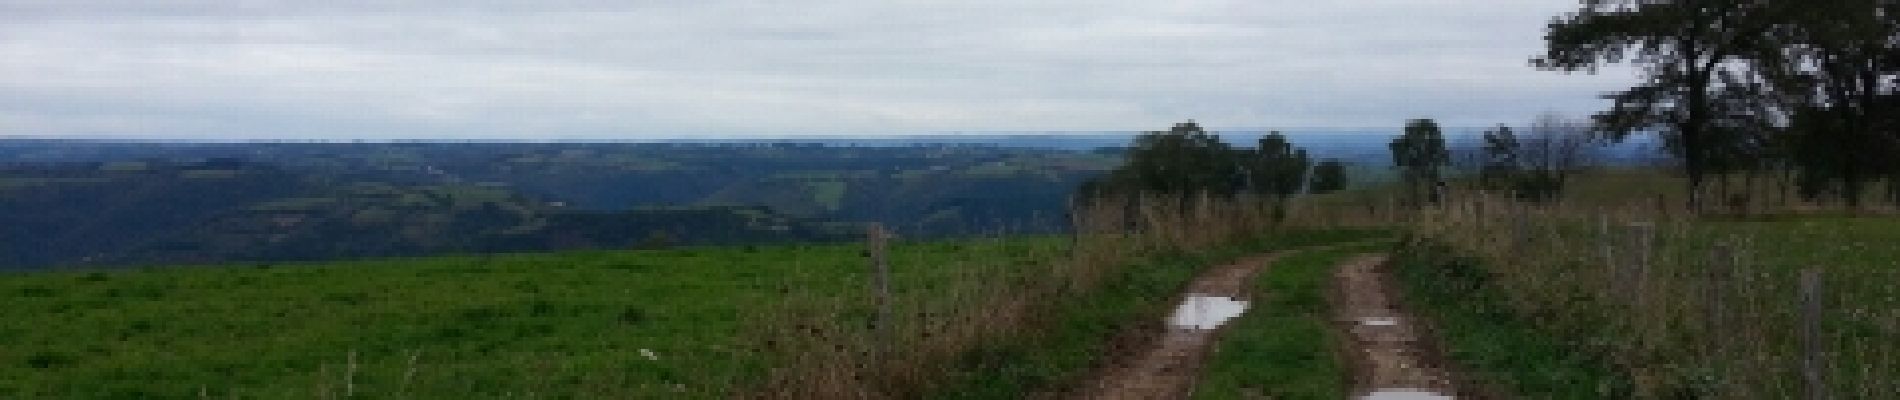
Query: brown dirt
1384, 356
1166, 364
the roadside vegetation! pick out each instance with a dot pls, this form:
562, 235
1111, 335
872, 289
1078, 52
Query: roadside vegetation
1036, 329
1706, 307
1085, 329
1502, 353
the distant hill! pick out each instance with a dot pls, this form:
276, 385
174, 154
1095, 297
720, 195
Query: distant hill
108, 202
124, 213
103, 203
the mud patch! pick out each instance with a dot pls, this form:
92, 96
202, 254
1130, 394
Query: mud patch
1390, 356
1165, 367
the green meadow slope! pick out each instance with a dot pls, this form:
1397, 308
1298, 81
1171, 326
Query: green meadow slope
603, 324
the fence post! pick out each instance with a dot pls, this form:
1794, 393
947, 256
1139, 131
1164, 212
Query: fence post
1073, 217
1477, 212
1646, 257
1811, 359
1520, 231
1607, 242
1721, 274
876, 239
1392, 210
1634, 272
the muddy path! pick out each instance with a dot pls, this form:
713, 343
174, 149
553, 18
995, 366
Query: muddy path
1391, 355
1164, 365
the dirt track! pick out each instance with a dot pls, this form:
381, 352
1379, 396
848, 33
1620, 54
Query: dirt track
1166, 366
1389, 354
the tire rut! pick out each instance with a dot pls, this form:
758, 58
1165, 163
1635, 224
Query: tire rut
1168, 364
1391, 355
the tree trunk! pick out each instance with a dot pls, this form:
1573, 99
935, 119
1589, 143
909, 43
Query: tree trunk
1748, 191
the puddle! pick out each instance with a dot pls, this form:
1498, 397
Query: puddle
1379, 321
1206, 312
1404, 394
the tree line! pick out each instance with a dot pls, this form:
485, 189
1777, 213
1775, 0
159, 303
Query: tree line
1807, 88
1187, 160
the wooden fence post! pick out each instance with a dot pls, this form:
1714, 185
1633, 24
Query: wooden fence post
1607, 241
1721, 278
1477, 212
1812, 363
876, 239
1074, 218
1520, 231
1721, 275
1391, 209
1645, 257
1633, 273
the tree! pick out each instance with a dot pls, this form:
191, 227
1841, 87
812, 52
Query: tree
1328, 176
1499, 167
1419, 154
1555, 148
1182, 161
1693, 54
1837, 63
1276, 168
1536, 166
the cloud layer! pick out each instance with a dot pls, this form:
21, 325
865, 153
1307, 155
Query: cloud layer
615, 69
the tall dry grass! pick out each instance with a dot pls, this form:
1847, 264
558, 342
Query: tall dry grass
1690, 306
824, 345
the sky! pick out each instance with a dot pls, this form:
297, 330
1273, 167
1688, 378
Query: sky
577, 69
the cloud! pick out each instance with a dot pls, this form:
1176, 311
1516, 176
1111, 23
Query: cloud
601, 69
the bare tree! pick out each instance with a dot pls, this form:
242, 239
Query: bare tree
1559, 143
1537, 164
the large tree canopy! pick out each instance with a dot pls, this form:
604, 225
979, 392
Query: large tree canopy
1328, 176
1698, 93
1276, 168
1182, 161
1837, 65
1420, 154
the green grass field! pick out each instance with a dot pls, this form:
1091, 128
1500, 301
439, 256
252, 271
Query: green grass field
675, 323
529, 325
1858, 260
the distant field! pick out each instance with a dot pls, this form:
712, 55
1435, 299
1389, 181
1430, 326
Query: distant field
528, 325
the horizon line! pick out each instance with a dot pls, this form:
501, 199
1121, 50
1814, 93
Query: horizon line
683, 138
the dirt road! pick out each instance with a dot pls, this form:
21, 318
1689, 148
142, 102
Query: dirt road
1165, 366
1391, 357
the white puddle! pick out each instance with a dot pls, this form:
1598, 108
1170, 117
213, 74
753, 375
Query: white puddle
1404, 394
1379, 321
1206, 312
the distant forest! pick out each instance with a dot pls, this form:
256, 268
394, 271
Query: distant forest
101, 203
109, 203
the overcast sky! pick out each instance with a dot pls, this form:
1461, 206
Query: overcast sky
262, 69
